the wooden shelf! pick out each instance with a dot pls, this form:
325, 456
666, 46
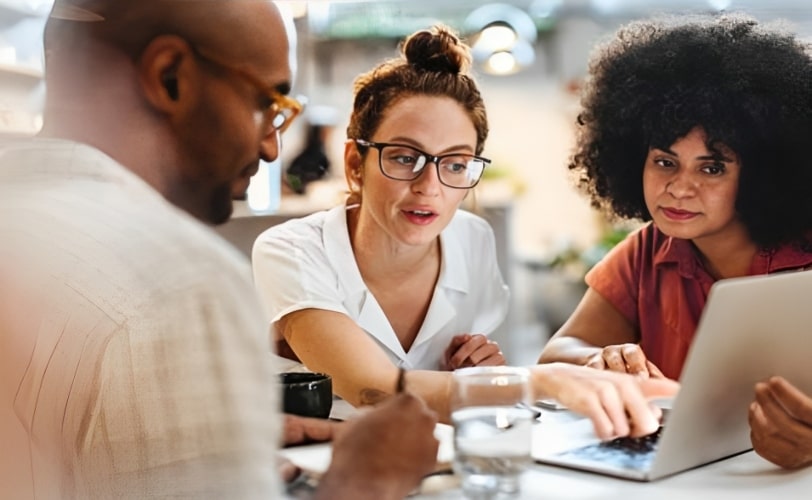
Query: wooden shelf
20, 72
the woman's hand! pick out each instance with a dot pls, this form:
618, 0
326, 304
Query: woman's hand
625, 358
471, 350
781, 424
617, 403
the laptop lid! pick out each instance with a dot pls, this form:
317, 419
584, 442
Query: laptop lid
751, 328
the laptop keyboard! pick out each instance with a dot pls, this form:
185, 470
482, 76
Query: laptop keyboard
626, 453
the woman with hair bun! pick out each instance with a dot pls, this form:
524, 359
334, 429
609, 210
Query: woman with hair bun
399, 276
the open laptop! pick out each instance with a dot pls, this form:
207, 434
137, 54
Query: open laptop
751, 328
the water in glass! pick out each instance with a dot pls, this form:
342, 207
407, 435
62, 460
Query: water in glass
492, 449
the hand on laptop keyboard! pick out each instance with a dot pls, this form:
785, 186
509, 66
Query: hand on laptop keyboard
625, 453
643, 444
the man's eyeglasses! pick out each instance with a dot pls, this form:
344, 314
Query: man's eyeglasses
280, 110
406, 163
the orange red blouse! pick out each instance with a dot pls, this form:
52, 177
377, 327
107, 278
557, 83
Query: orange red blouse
659, 284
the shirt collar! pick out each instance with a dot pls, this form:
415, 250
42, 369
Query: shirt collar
338, 249
676, 251
784, 258
453, 274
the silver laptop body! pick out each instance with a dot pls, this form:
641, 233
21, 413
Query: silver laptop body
751, 328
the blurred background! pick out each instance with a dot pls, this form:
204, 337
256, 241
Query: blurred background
531, 58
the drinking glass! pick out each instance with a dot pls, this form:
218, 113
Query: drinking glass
492, 429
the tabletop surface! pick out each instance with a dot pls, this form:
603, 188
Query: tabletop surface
742, 477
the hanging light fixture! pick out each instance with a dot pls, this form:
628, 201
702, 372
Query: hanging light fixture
505, 35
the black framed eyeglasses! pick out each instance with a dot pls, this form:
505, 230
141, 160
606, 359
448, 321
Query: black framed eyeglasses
405, 163
280, 110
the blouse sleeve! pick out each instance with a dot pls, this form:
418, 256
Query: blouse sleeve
292, 272
617, 275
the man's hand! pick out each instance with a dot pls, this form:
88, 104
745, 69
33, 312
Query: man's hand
384, 453
471, 350
303, 430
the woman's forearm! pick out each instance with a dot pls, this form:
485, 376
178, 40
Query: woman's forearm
568, 350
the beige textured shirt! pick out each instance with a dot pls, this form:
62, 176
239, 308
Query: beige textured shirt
134, 358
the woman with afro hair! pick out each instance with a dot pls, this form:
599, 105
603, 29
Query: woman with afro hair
701, 127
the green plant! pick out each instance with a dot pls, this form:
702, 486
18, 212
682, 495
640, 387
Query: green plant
577, 261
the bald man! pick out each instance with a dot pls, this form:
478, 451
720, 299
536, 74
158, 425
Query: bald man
134, 359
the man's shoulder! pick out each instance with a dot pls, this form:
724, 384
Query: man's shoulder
103, 230
185, 238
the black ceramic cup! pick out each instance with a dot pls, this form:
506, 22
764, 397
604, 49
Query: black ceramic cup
307, 394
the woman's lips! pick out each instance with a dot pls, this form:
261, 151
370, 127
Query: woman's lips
677, 214
421, 217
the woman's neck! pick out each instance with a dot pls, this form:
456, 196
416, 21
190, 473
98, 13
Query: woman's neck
727, 256
378, 256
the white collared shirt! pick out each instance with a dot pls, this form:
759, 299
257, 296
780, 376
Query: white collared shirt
309, 263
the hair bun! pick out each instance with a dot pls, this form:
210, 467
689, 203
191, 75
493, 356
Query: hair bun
437, 49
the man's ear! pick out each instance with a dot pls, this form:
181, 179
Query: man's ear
164, 72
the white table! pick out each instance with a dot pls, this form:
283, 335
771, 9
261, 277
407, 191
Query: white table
743, 477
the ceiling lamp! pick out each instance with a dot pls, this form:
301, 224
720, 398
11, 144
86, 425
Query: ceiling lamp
720, 5
505, 35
